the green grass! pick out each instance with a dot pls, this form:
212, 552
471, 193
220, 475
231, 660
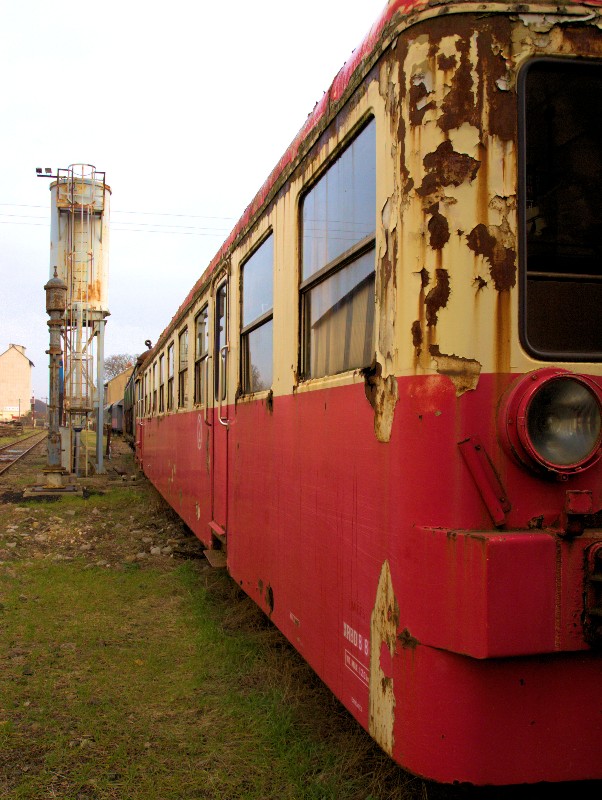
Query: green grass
132, 684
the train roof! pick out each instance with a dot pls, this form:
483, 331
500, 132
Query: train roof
362, 57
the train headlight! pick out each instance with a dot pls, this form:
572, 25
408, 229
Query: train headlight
552, 420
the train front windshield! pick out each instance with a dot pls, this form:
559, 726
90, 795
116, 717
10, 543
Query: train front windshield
561, 129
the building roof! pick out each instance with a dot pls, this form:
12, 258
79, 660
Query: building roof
19, 348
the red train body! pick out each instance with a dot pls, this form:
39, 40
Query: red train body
403, 469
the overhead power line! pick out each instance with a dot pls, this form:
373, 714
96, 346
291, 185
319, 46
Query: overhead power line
142, 213
117, 225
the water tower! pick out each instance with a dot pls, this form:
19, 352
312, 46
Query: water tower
79, 250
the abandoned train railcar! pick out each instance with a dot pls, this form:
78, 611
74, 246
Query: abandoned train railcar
381, 403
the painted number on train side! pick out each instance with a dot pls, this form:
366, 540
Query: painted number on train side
356, 639
361, 647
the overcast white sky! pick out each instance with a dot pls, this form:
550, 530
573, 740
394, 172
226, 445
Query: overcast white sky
187, 107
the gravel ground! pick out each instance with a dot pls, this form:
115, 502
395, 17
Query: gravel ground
120, 519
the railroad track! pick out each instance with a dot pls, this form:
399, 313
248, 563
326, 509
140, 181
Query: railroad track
13, 452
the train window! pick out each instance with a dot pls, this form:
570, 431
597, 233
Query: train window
161, 384
257, 314
139, 398
221, 341
201, 353
338, 255
183, 368
146, 392
561, 209
154, 388
170, 374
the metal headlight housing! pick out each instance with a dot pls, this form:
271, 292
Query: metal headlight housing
551, 420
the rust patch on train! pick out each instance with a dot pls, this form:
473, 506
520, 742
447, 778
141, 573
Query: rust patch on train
269, 599
387, 284
437, 298
438, 228
418, 108
449, 167
445, 167
417, 337
407, 641
459, 105
581, 40
487, 241
503, 329
501, 103
384, 622
464, 373
446, 63
382, 394
473, 92
418, 325
389, 259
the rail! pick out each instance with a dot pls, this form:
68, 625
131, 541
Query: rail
13, 452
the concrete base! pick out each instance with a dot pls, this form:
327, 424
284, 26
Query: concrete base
53, 482
47, 491
54, 479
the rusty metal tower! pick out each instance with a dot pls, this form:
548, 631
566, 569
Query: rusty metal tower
79, 250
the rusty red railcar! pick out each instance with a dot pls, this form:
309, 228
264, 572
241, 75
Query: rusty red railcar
380, 406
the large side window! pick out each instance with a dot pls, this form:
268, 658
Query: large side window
257, 314
170, 376
183, 368
338, 219
201, 353
561, 204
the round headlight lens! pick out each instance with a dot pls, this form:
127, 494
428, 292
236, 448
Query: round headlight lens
550, 421
563, 422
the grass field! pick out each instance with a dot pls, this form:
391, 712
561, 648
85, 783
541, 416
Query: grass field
164, 684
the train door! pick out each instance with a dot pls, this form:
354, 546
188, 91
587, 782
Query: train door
219, 428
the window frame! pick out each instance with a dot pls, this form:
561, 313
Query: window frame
170, 376
221, 341
139, 396
147, 392
338, 263
257, 322
183, 369
201, 360
162, 383
154, 388
522, 204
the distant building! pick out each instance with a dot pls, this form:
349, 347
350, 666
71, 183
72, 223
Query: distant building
15, 383
114, 390
115, 387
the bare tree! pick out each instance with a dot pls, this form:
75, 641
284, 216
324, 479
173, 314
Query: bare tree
115, 365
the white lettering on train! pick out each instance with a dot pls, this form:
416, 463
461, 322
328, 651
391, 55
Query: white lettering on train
355, 638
